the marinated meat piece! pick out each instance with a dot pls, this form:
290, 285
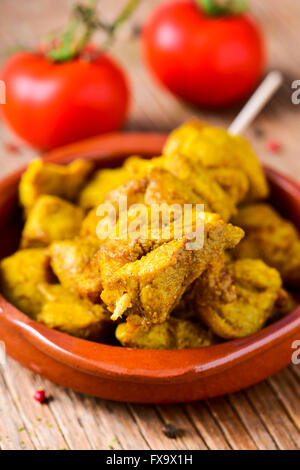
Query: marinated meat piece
159, 187
63, 181
233, 181
51, 219
198, 178
74, 264
214, 148
66, 312
256, 290
164, 187
272, 238
20, 275
101, 183
172, 334
130, 243
89, 224
138, 167
152, 286
284, 305
184, 179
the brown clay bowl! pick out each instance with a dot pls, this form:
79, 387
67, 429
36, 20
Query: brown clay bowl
143, 376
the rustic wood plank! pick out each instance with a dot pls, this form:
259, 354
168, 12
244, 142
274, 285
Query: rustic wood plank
151, 426
108, 424
252, 422
13, 434
62, 407
38, 419
286, 387
98, 427
274, 416
190, 439
207, 426
231, 425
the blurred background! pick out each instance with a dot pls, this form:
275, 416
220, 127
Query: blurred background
25, 23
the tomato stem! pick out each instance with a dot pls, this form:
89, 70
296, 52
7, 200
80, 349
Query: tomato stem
82, 25
222, 7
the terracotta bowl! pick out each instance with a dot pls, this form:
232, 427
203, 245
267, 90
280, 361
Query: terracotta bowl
143, 376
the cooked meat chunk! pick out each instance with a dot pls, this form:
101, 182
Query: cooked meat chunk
159, 187
50, 219
136, 239
191, 176
272, 238
214, 148
153, 285
133, 191
89, 224
114, 254
198, 178
233, 181
256, 290
20, 276
66, 312
101, 183
63, 181
172, 334
74, 264
138, 167
284, 305
164, 187
125, 246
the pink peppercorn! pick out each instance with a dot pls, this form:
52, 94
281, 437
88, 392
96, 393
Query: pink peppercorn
12, 147
274, 146
40, 396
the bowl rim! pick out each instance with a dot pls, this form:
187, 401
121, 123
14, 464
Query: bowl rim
140, 365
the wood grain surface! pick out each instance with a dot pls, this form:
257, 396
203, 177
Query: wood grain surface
266, 416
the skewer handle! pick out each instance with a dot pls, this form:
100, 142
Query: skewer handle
258, 100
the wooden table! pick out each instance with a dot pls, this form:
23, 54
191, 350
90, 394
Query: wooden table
266, 416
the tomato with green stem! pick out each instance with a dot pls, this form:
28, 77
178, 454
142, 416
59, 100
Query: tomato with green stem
207, 52
70, 90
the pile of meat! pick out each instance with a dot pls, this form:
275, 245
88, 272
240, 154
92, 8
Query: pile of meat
147, 291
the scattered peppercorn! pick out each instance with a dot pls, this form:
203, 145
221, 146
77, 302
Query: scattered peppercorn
136, 30
40, 396
273, 146
171, 431
12, 147
258, 132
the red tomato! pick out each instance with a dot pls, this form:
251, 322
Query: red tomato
208, 61
52, 104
